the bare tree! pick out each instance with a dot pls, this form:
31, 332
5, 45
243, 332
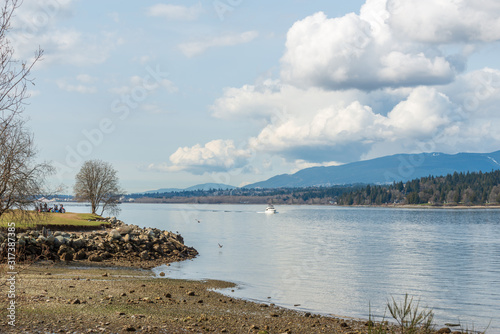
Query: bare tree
97, 183
14, 73
21, 177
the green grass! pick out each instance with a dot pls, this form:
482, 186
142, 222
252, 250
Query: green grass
409, 317
50, 219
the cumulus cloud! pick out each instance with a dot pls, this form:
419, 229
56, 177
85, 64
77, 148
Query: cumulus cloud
215, 156
192, 49
272, 100
378, 83
175, 12
389, 44
444, 21
320, 126
358, 51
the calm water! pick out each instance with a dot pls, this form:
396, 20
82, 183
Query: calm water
337, 261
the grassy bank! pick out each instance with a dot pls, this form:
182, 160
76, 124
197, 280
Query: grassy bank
51, 220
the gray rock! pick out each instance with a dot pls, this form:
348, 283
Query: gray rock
59, 240
51, 239
114, 234
124, 229
78, 243
41, 239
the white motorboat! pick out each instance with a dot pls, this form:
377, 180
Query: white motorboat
270, 209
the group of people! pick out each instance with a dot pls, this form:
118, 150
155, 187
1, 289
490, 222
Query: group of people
43, 207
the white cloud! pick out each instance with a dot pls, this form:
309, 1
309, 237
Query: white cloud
445, 21
174, 12
67, 47
77, 88
192, 49
362, 86
215, 156
389, 44
358, 52
38, 23
319, 126
271, 100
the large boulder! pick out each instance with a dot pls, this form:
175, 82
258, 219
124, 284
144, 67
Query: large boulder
60, 240
95, 258
78, 243
80, 255
114, 234
66, 249
51, 239
66, 257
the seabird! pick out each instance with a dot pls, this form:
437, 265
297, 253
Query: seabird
220, 246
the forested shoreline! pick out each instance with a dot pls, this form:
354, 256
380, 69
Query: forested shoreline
453, 189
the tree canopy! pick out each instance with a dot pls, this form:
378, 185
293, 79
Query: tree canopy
97, 183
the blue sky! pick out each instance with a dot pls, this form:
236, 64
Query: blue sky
177, 93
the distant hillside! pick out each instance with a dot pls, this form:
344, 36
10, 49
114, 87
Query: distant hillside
204, 186
386, 170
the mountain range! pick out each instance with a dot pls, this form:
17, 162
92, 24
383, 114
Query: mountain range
204, 186
385, 170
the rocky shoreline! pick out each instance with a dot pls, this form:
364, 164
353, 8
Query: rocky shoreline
119, 245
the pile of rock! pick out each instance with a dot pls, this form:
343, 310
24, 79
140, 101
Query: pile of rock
120, 243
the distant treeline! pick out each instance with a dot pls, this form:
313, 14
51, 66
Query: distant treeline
457, 188
454, 189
